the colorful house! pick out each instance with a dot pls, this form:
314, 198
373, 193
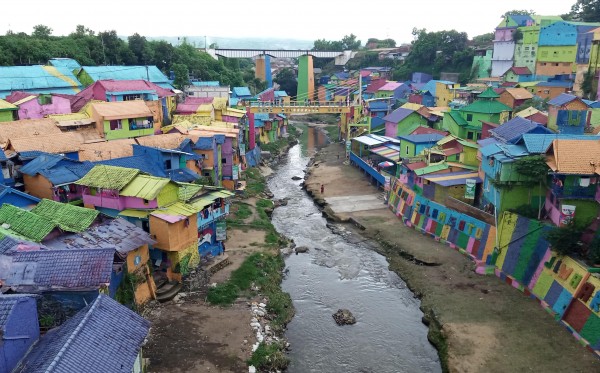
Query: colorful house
8, 111
466, 121
402, 122
526, 51
518, 74
445, 93
412, 145
549, 90
394, 90
533, 114
26, 128
67, 348
36, 106
514, 97
122, 120
457, 151
557, 49
568, 114
482, 63
160, 101
112, 189
504, 42
372, 88
173, 162
573, 189
38, 79
53, 176
90, 74
19, 328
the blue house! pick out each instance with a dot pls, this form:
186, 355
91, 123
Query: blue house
429, 92
412, 145
16, 197
69, 63
74, 346
379, 108
38, 79
19, 328
558, 33
242, 93
173, 162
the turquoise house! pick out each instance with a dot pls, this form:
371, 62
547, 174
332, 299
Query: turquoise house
412, 145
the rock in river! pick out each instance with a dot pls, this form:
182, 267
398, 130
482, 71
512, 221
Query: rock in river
301, 249
344, 317
296, 178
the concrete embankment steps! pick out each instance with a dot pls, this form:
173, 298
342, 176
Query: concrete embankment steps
168, 291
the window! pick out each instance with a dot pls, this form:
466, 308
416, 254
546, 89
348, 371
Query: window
223, 160
469, 117
470, 135
146, 202
44, 99
168, 164
546, 91
406, 149
132, 97
115, 125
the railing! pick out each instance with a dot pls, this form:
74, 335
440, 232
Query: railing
572, 191
367, 168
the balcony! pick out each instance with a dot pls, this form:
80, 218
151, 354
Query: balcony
367, 168
575, 192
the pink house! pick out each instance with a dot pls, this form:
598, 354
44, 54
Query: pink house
120, 188
36, 106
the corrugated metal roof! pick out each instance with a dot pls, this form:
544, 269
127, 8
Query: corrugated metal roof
142, 163
73, 346
135, 213
106, 150
562, 99
39, 79
242, 92
64, 142
144, 186
539, 143
151, 73
424, 138
398, 115
176, 212
514, 129
453, 178
575, 157
5, 105
486, 107
26, 128
431, 168
69, 63
108, 177
122, 109
7, 307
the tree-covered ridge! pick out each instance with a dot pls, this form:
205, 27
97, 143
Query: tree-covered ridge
91, 48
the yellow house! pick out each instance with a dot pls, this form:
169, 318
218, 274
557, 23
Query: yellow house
445, 93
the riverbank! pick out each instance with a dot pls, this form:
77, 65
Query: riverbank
236, 316
484, 324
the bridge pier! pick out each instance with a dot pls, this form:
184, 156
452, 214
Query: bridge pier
262, 69
306, 78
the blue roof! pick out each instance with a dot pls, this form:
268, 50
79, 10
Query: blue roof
563, 98
539, 143
3, 157
521, 20
242, 92
206, 84
183, 175
233, 101
281, 94
378, 105
69, 63
6, 191
555, 83
204, 143
128, 73
486, 142
261, 116
377, 122
138, 162
342, 75
7, 306
424, 138
37, 79
62, 269
43, 162
398, 115
7, 243
514, 129
30, 154
103, 337
504, 152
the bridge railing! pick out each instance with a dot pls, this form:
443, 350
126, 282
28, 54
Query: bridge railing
299, 104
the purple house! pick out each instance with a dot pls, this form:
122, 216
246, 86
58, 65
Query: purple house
36, 106
19, 328
394, 90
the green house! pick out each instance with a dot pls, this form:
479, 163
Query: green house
466, 121
8, 111
402, 122
123, 119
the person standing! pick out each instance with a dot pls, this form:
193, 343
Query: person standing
322, 188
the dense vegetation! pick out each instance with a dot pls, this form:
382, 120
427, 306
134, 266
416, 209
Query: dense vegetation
107, 48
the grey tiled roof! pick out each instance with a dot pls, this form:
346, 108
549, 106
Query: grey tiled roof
40, 270
118, 234
101, 338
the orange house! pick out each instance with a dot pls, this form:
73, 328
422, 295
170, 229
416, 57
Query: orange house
514, 97
563, 102
549, 90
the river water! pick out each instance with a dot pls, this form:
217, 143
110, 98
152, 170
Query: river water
336, 273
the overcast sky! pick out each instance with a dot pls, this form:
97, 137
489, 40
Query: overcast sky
297, 19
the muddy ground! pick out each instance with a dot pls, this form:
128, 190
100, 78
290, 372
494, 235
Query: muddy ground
190, 335
489, 326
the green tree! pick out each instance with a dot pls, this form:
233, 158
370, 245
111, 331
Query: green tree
137, 44
181, 76
536, 168
287, 81
483, 41
41, 32
349, 42
586, 11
